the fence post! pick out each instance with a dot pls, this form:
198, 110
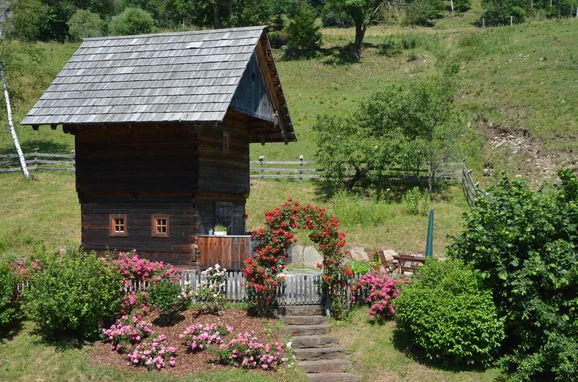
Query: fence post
35, 163
511, 20
261, 158
301, 167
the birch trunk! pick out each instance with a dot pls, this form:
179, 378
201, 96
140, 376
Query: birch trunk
11, 125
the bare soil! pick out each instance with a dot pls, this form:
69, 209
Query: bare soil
187, 362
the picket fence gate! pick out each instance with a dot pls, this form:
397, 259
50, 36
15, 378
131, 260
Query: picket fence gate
298, 288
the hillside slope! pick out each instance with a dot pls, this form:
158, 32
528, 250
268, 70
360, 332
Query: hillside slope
517, 84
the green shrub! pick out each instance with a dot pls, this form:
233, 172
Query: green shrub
360, 267
423, 12
447, 314
84, 23
131, 21
9, 304
166, 296
303, 32
525, 244
415, 202
73, 294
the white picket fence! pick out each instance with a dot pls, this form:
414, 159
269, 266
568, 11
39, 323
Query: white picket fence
298, 289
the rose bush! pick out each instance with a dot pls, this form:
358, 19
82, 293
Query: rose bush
197, 337
247, 352
211, 293
127, 332
378, 290
153, 353
273, 242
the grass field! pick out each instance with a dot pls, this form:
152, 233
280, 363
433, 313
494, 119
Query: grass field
377, 355
45, 212
510, 78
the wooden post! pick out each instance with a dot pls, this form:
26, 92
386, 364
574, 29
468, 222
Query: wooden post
511, 20
301, 167
483, 23
261, 158
452, 5
11, 125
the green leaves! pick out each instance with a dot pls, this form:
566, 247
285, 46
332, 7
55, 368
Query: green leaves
525, 244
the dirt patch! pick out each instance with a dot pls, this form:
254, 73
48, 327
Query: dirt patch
530, 157
187, 363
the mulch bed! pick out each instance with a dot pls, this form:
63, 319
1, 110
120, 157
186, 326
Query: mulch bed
188, 362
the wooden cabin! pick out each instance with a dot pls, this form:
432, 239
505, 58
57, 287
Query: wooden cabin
162, 126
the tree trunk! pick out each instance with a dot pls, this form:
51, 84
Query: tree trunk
359, 34
359, 173
11, 125
215, 14
452, 5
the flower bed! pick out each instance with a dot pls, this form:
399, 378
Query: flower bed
248, 352
186, 361
197, 337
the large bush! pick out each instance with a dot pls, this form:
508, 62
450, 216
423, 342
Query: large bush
448, 315
9, 304
84, 23
525, 244
131, 21
303, 32
73, 294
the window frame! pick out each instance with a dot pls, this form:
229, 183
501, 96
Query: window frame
155, 225
112, 225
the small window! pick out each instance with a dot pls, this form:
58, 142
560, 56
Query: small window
160, 225
226, 142
118, 225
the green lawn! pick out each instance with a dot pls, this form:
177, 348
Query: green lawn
46, 212
376, 357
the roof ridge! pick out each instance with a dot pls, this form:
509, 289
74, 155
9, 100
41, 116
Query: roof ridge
161, 34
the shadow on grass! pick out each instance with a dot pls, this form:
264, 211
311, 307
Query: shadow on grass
8, 333
401, 341
41, 145
60, 342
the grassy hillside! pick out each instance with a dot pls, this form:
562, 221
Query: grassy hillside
46, 212
520, 79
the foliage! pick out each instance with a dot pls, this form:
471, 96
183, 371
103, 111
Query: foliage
27, 19
462, 5
153, 353
9, 302
131, 21
359, 267
273, 242
84, 24
415, 202
498, 12
197, 337
210, 295
446, 313
405, 126
303, 32
423, 12
247, 352
73, 294
127, 332
379, 290
361, 12
525, 244
166, 297
354, 209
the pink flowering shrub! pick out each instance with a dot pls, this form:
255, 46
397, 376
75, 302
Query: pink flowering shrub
153, 353
378, 290
127, 332
135, 271
25, 269
197, 337
247, 352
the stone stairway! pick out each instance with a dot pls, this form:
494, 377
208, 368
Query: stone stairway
317, 353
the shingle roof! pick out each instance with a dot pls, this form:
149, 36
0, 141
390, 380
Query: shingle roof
189, 76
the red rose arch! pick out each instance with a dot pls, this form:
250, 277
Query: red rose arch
273, 241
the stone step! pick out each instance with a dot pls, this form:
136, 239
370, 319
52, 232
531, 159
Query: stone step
301, 342
325, 366
308, 330
303, 320
301, 310
313, 354
332, 377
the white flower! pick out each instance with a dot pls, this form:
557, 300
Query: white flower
289, 344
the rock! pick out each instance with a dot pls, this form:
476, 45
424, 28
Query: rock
358, 254
311, 257
389, 254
